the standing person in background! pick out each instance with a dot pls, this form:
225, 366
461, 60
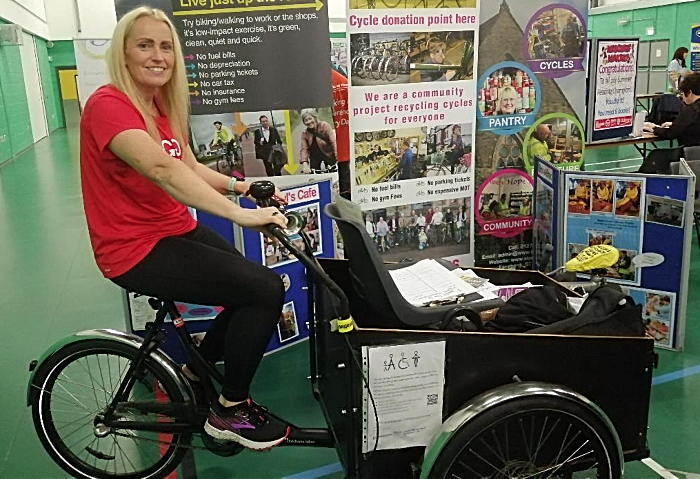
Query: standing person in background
318, 144
138, 175
677, 68
342, 131
369, 226
571, 38
265, 138
382, 232
406, 163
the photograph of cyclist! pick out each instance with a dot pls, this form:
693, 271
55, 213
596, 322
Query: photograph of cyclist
240, 155
449, 149
434, 229
139, 175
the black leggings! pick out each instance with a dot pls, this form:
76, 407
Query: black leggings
201, 267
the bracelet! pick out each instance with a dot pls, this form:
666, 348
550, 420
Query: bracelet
232, 185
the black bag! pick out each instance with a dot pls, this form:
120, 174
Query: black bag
606, 312
529, 309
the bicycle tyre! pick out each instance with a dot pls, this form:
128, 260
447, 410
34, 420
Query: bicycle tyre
166, 456
476, 449
390, 4
391, 69
376, 68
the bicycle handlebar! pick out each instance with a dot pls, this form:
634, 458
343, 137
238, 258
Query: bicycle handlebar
307, 259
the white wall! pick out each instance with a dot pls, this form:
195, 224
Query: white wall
62, 19
97, 18
29, 14
33, 87
69, 19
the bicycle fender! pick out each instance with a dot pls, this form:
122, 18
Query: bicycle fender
496, 397
109, 334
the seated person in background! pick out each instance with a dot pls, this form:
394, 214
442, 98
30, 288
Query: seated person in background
630, 201
603, 197
507, 97
581, 191
436, 49
686, 127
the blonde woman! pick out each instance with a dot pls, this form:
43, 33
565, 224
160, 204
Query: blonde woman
507, 99
138, 177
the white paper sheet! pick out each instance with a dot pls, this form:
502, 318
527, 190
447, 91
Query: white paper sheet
407, 383
428, 281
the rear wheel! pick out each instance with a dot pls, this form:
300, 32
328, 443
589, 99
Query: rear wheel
531, 437
74, 388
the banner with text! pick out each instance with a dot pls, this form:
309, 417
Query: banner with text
251, 117
412, 119
529, 106
613, 89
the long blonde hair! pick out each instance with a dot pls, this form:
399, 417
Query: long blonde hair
173, 97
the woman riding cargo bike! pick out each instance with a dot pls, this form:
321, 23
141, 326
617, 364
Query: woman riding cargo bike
109, 404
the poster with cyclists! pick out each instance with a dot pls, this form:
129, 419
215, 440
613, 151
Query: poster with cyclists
248, 120
412, 111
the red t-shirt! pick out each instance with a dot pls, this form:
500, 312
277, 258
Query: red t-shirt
127, 214
340, 116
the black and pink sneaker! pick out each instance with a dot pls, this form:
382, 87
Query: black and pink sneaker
248, 424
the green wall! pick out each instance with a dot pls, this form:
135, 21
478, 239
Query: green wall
672, 22
62, 55
15, 127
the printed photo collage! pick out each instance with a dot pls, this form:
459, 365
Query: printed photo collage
266, 143
413, 109
606, 211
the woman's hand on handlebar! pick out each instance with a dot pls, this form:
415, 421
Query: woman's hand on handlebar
259, 218
245, 190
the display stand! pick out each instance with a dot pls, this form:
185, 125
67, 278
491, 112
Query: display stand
637, 214
309, 199
292, 327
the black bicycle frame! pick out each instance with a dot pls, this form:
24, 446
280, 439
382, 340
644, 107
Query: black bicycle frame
186, 419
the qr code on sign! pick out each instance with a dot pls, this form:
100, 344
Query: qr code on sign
432, 399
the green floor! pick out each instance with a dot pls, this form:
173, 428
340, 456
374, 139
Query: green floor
50, 288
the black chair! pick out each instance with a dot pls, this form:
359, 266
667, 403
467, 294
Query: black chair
658, 161
665, 108
372, 282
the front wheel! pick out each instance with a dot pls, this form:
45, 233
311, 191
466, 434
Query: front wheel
74, 388
535, 437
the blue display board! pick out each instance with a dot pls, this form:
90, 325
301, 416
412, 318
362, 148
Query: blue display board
636, 214
309, 200
546, 214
